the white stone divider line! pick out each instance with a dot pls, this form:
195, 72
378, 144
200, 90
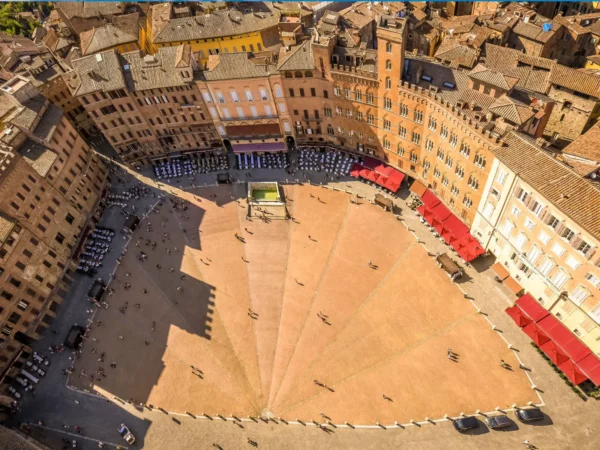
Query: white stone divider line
78, 436
378, 425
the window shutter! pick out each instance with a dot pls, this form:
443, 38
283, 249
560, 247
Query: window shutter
518, 192
590, 253
575, 241
560, 228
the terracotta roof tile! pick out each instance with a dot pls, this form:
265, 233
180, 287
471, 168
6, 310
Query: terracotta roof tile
576, 197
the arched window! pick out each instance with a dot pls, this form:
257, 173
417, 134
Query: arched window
330, 130
388, 83
388, 65
358, 95
288, 75
298, 74
308, 74
388, 47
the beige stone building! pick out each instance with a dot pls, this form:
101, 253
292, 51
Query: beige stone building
50, 184
146, 106
540, 219
246, 101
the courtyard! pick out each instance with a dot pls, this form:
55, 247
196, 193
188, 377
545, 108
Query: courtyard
340, 311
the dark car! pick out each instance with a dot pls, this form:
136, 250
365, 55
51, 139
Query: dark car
495, 422
527, 415
74, 337
465, 423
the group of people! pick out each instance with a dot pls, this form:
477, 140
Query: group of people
96, 248
247, 161
190, 166
326, 159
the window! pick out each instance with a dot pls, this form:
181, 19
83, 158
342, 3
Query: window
336, 91
444, 131
262, 92
403, 110
533, 254
330, 130
529, 224
69, 218
560, 278
480, 161
388, 47
467, 202
327, 112
387, 125
454, 191
449, 161
301, 92
520, 241
371, 119
358, 95
370, 98
507, 227
386, 143
59, 238
400, 150
402, 132
416, 137
515, 211
419, 116
387, 103
291, 92
488, 210
501, 177
546, 266
473, 182
453, 139
388, 83
572, 262
432, 124
593, 279
544, 238
440, 154
445, 180
465, 150
388, 65
459, 171
558, 250
579, 294
250, 95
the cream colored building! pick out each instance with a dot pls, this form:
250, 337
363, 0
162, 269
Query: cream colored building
542, 221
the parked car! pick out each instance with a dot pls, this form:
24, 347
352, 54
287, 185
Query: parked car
466, 423
527, 415
495, 422
126, 434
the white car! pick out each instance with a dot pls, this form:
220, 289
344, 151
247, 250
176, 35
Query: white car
126, 434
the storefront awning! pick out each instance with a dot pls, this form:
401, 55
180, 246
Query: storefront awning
418, 188
518, 316
262, 147
513, 285
378, 172
429, 199
573, 373
501, 271
590, 366
564, 338
553, 352
536, 334
531, 308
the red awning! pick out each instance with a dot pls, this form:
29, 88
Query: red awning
469, 248
355, 171
590, 366
570, 369
554, 352
394, 180
531, 308
441, 212
536, 334
565, 340
429, 199
517, 315
455, 226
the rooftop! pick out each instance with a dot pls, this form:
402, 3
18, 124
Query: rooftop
566, 189
298, 58
123, 30
586, 146
230, 66
152, 71
99, 72
39, 157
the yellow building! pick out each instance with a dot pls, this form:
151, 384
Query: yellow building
210, 32
123, 34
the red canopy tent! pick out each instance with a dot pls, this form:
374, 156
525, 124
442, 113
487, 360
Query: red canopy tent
566, 341
570, 369
394, 180
531, 308
470, 248
590, 366
355, 171
453, 226
554, 353
429, 199
536, 334
441, 212
517, 315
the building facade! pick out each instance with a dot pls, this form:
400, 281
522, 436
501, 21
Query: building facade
51, 185
546, 238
